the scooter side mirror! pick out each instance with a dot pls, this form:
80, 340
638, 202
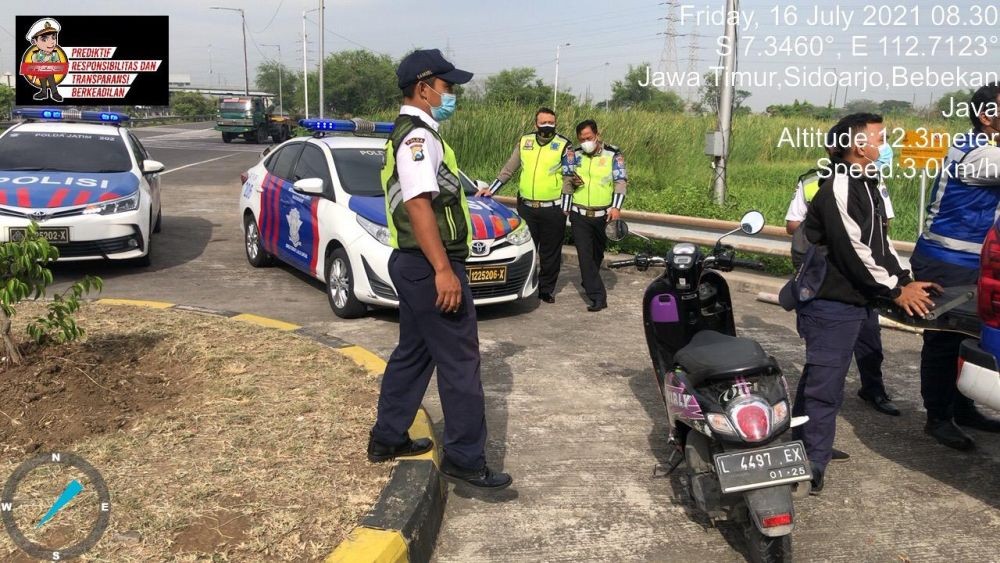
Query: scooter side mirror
752, 222
616, 230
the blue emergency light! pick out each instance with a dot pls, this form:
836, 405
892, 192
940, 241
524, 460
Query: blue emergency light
70, 115
356, 126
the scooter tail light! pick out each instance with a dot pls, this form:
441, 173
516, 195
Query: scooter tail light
752, 420
776, 520
780, 413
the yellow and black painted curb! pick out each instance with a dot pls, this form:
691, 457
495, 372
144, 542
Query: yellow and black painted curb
403, 525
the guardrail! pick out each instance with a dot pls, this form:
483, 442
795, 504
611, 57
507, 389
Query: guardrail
773, 240
145, 121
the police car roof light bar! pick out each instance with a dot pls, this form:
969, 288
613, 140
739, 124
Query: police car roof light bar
70, 115
356, 126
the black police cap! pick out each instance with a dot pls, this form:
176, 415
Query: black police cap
425, 63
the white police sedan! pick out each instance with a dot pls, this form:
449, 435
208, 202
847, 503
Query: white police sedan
86, 180
317, 204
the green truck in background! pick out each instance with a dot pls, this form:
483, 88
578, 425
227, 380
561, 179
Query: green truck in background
253, 118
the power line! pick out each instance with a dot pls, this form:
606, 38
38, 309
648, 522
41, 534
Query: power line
272, 17
344, 37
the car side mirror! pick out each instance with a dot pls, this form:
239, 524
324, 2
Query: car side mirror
311, 186
152, 167
616, 230
752, 222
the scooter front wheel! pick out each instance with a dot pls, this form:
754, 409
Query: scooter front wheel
765, 549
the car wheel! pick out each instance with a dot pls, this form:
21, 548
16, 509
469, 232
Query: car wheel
340, 286
158, 225
227, 138
256, 255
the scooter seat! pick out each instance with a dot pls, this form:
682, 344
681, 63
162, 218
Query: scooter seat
712, 355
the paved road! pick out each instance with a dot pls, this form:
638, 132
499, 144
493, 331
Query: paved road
573, 412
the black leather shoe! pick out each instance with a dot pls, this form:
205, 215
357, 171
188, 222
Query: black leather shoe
881, 402
54, 94
947, 433
40, 95
975, 419
597, 306
547, 297
817, 481
484, 478
839, 455
379, 452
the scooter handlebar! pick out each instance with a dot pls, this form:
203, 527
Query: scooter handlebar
621, 264
750, 264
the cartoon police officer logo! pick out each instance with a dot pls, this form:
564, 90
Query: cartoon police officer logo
294, 224
44, 65
55, 506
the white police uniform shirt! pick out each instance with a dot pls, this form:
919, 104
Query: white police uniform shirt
419, 157
799, 207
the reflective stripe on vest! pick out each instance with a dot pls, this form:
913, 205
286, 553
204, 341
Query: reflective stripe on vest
598, 186
451, 209
541, 167
959, 215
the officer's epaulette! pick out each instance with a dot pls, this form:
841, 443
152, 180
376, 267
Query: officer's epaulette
612, 148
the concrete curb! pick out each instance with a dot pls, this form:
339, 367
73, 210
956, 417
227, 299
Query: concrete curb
403, 525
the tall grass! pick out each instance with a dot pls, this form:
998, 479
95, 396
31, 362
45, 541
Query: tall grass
664, 153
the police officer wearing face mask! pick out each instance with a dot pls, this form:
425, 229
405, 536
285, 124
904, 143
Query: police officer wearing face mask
430, 230
868, 349
847, 222
594, 186
539, 156
963, 207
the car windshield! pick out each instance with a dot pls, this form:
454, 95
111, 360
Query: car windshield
359, 170
63, 151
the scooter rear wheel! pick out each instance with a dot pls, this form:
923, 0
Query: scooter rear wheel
765, 549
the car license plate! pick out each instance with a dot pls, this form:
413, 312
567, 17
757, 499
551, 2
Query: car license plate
55, 235
764, 467
487, 275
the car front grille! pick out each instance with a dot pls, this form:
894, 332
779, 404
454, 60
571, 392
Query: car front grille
7, 212
98, 247
517, 272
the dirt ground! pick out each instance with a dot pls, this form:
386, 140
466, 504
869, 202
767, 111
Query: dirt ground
218, 440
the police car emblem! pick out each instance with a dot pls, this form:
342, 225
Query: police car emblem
480, 248
294, 224
39, 215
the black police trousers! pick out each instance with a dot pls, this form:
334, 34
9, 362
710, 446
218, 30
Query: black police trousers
939, 356
429, 338
591, 241
548, 230
831, 341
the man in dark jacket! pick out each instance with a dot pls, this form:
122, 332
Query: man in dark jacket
847, 223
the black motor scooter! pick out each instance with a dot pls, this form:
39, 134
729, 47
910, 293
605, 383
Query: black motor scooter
726, 398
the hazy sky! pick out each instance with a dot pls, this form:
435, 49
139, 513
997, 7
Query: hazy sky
485, 37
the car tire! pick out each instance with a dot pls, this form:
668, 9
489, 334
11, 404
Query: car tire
158, 225
340, 286
227, 138
256, 255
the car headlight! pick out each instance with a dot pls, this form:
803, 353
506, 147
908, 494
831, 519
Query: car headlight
120, 205
520, 235
378, 232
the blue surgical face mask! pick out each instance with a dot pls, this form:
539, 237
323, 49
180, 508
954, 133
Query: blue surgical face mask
884, 157
447, 107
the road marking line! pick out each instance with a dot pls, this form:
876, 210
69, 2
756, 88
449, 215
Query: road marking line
136, 303
195, 164
364, 358
266, 322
